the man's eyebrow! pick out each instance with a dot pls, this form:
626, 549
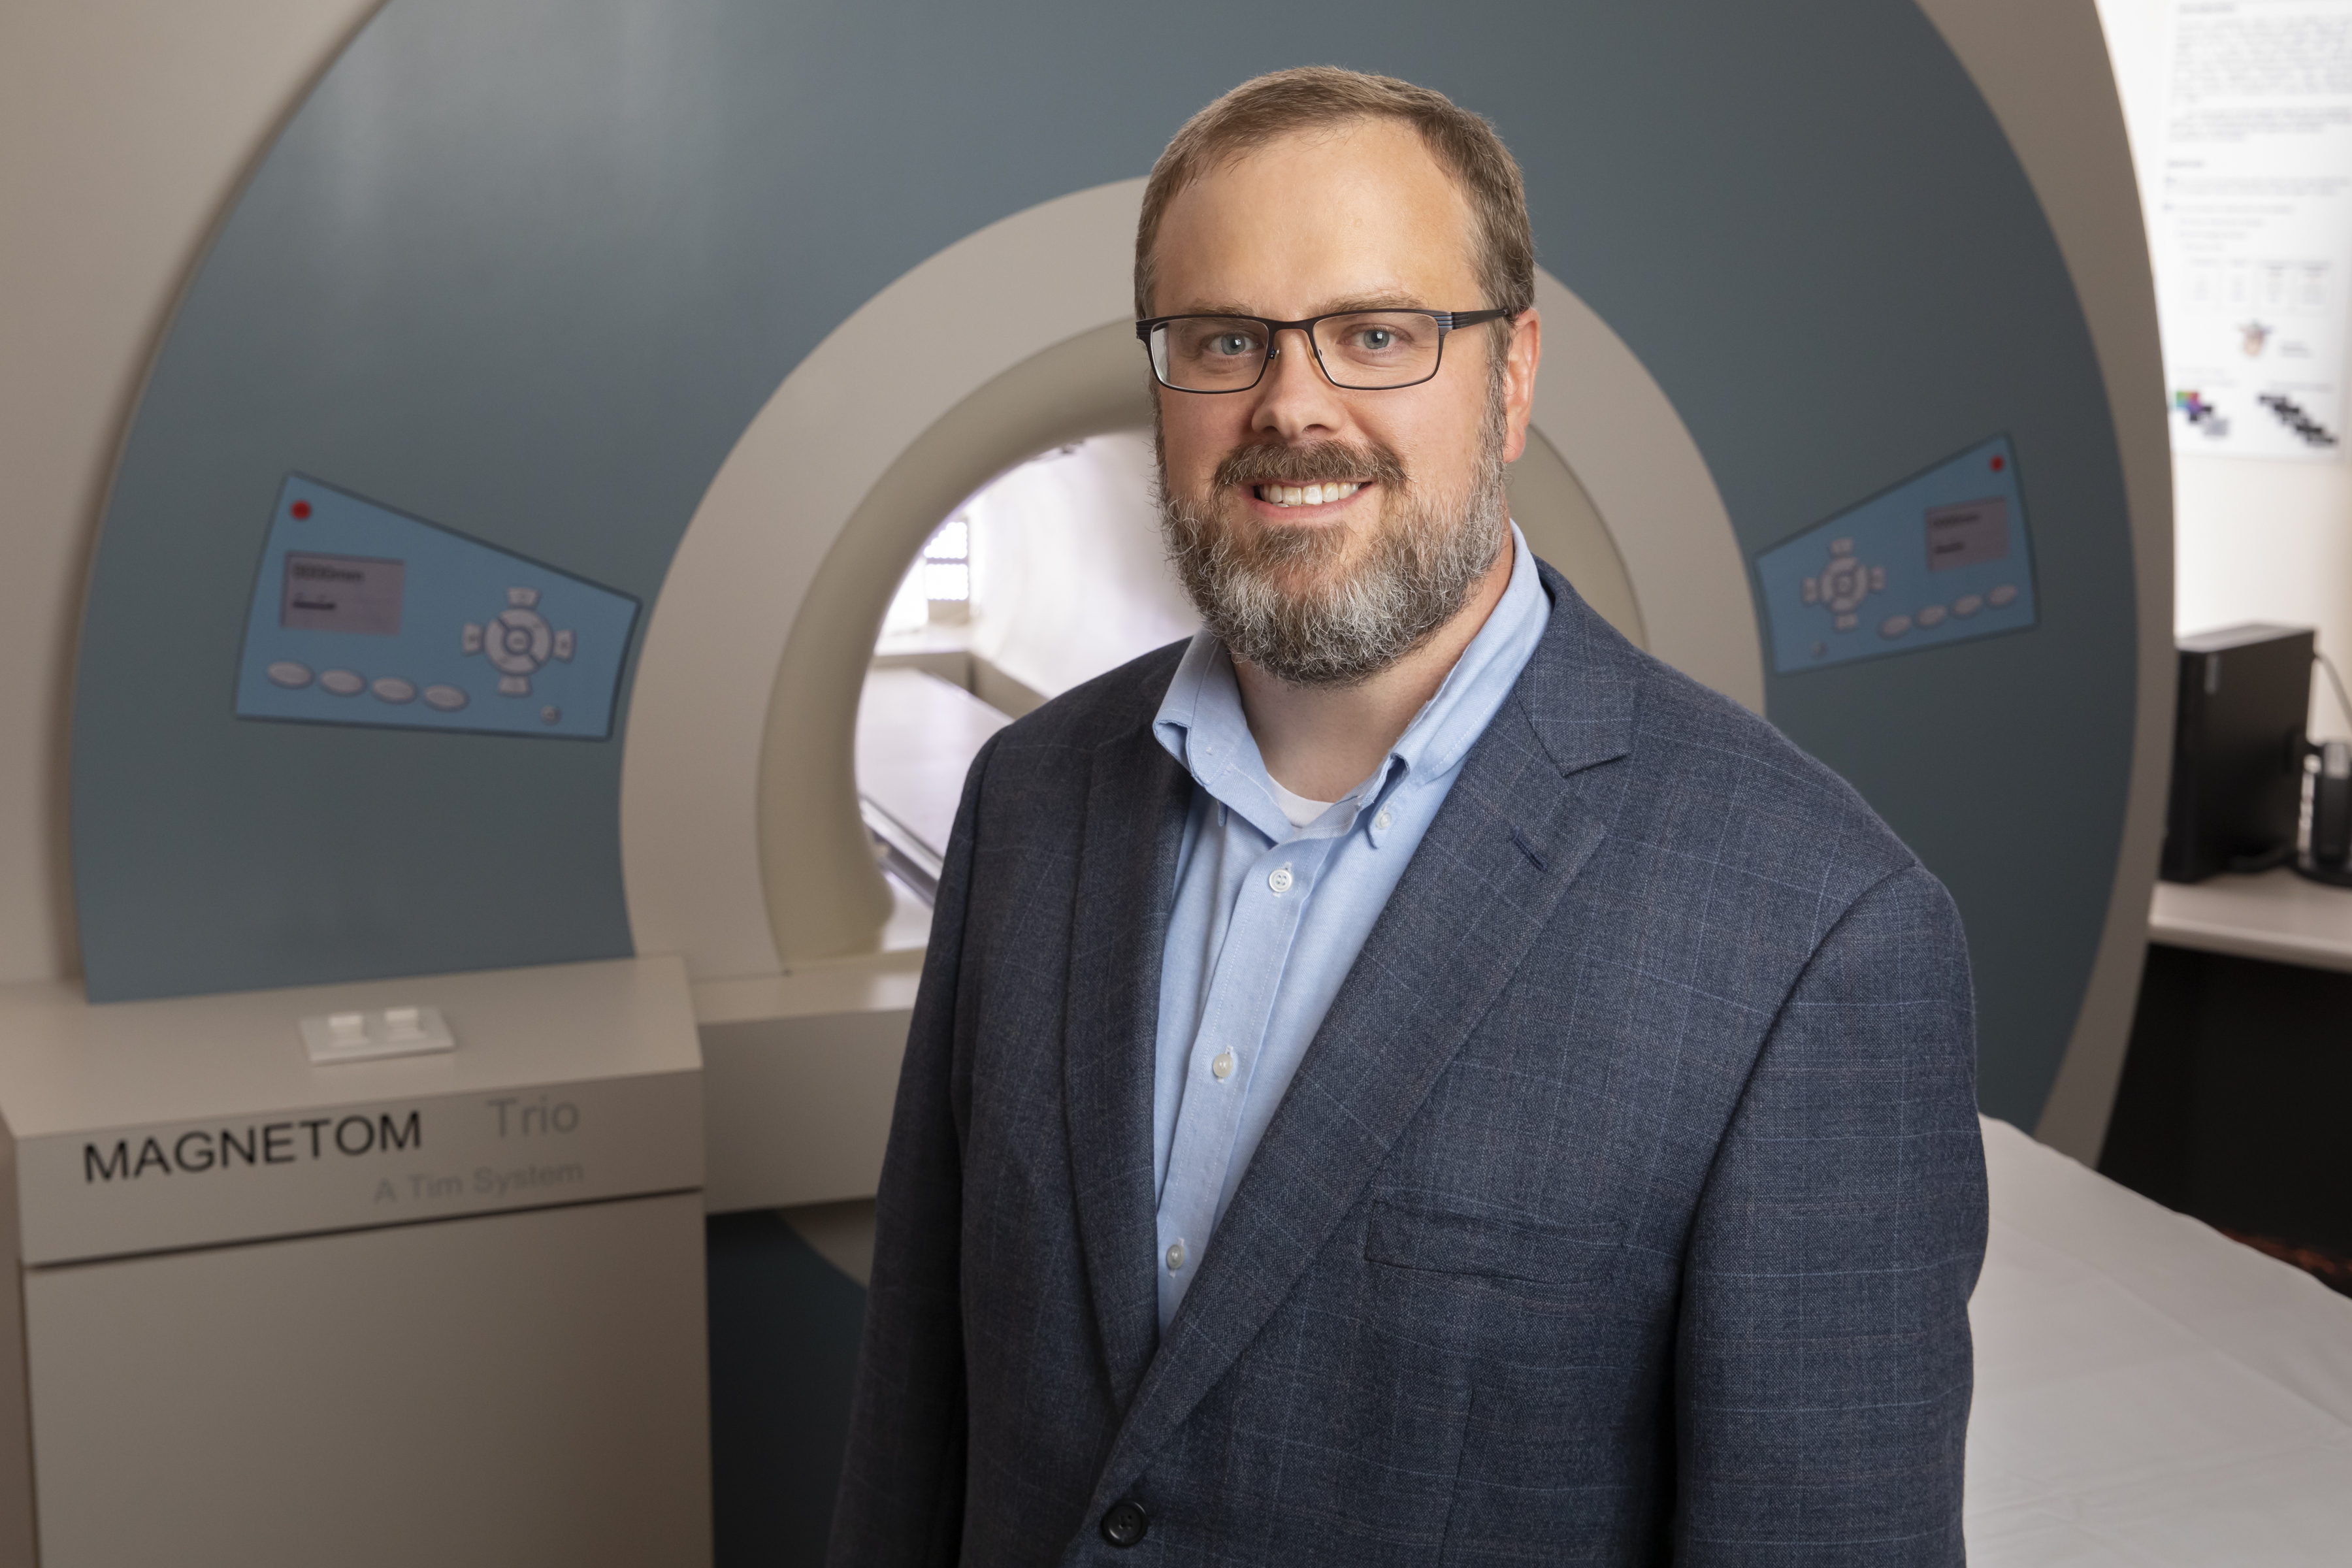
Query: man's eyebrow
1372, 303
1214, 307
1343, 306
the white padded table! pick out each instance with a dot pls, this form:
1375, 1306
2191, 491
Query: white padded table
2147, 1391
917, 736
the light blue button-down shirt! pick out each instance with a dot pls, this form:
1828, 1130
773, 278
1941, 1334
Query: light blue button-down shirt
1269, 917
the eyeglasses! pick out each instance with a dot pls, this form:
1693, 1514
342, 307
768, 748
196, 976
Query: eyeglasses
1361, 350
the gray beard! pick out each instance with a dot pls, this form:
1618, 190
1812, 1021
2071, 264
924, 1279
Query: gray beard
1341, 630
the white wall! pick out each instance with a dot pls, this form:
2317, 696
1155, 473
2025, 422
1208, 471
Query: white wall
2253, 540
125, 128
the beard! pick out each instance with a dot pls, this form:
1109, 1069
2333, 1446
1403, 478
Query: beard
1288, 601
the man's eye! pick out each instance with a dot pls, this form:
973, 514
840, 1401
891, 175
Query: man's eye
1377, 339
1229, 344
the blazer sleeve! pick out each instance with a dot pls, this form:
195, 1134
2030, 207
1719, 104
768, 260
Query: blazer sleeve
902, 1478
1823, 1366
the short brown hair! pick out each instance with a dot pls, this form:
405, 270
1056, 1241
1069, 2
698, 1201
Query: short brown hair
1310, 97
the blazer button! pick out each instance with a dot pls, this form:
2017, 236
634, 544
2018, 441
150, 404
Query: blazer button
1124, 1523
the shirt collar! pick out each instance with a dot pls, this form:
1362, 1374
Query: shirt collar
1201, 724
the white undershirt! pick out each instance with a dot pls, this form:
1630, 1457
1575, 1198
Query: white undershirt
1296, 807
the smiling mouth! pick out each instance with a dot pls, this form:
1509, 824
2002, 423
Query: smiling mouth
1307, 495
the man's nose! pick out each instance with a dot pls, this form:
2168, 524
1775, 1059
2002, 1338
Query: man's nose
1296, 397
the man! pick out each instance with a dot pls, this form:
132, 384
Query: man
1406, 1077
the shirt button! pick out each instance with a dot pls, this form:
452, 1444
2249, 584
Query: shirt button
1281, 879
1382, 821
1224, 1066
1175, 1256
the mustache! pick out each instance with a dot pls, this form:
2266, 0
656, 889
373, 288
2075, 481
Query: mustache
1318, 462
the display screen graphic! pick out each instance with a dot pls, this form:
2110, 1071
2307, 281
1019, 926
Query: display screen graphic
1966, 534
342, 593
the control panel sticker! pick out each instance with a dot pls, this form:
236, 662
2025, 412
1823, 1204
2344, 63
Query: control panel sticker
1942, 557
364, 615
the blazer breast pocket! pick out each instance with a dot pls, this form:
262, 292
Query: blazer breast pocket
1450, 1242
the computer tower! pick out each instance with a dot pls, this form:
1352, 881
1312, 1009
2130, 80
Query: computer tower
2237, 751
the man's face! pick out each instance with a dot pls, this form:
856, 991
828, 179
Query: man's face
1332, 591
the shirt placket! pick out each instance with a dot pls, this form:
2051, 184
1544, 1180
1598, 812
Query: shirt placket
1248, 976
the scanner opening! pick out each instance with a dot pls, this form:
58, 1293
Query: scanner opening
1050, 575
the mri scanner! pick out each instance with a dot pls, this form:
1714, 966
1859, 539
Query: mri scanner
490, 577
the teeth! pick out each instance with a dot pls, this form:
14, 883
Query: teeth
1307, 495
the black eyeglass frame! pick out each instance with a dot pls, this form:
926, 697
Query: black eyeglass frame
1447, 322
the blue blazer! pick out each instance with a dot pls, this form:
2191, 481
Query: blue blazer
1624, 1209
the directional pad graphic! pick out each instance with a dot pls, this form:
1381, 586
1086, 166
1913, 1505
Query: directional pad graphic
1844, 585
517, 642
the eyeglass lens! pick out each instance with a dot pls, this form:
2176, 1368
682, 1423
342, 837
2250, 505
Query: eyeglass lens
1369, 350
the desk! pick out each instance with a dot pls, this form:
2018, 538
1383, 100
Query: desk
2277, 916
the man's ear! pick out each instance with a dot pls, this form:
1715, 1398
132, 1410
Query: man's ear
1521, 357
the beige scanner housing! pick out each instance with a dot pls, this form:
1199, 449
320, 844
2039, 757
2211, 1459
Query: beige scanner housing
442, 1308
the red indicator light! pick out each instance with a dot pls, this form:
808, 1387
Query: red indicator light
302, 509
1998, 464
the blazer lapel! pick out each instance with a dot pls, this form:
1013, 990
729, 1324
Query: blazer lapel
1126, 882
1520, 822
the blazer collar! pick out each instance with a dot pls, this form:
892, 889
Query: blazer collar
1527, 812
1578, 689
1136, 804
